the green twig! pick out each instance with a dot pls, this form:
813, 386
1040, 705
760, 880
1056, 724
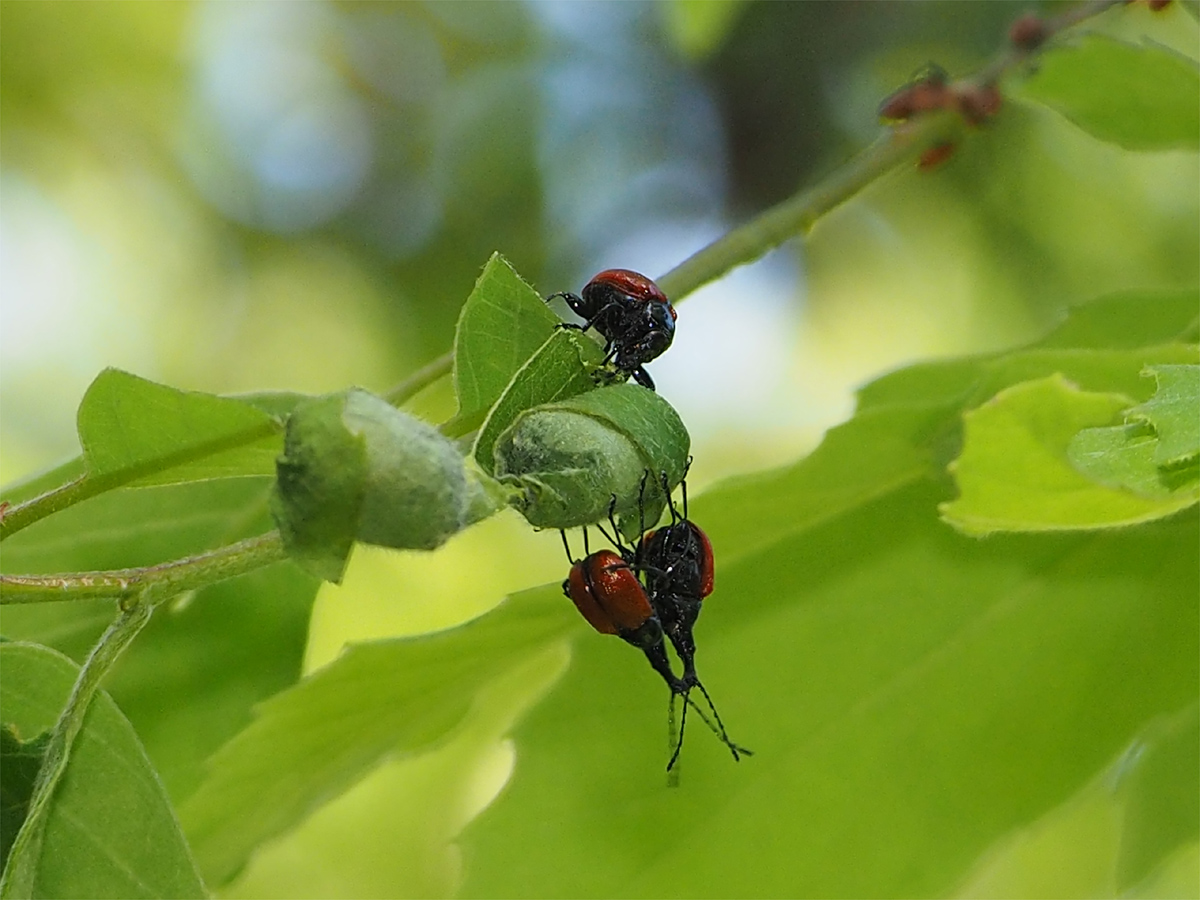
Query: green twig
420, 379
897, 146
21, 515
20, 874
152, 583
799, 213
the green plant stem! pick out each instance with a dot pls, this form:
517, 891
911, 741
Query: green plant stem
22, 515
420, 379
153, 583
20, 874
799, 213
897, 146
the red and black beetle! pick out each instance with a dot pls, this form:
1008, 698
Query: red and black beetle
631, 313
608, 594
676, 564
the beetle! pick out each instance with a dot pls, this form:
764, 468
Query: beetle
609, 596
677, 564
631, 313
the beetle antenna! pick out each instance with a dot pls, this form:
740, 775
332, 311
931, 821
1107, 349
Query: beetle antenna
615, 537
666, 486
566, 546
719, 728
682, 725
587, 551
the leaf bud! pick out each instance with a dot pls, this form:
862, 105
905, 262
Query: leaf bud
355, 468
570, 458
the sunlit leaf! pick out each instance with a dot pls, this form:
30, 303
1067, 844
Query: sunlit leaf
1178, 876
1160, 786
1174, 412
111, 831
138, 430
1014, 473
1113, 837
910, 694
502, 324
1139, 97
318, 738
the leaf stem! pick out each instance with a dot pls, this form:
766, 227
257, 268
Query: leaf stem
420, 379
21, 515
799, 213
20, 874
153, 583
896, 146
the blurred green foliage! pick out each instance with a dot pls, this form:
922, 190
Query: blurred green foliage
235, 197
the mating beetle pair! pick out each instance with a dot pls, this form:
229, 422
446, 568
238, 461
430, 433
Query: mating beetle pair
634, 317
676, 564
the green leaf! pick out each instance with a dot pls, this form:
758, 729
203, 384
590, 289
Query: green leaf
1160, 785
316, 739
19, 763
1014, 473
189, 680
1178, 876
969, 382
1138, 97
873, 455
1127, 320
111, 831
134, 430
141, 526
255, 458
1116, 835
1121, 456
561, 368
572, 457
60, 475
138, 433
910, 694
1174, 413
502, 324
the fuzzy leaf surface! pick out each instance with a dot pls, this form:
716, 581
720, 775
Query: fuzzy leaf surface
561, 368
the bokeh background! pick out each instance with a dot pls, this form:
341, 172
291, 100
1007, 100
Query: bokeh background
236, 196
